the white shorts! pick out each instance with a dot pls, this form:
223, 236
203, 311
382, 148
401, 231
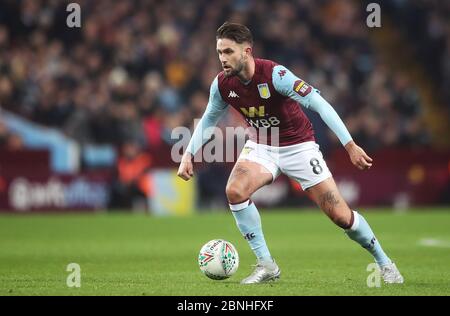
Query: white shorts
302, 162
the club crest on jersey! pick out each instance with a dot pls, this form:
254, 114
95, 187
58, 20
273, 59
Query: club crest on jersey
264, 91
302, 88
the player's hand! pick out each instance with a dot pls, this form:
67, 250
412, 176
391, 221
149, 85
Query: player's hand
186, 169
358, 156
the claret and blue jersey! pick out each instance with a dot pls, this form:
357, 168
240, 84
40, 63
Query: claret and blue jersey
264, 105
269, 101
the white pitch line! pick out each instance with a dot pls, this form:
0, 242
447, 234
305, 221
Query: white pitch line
432, 242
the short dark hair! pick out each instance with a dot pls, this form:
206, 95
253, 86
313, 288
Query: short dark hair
236, 32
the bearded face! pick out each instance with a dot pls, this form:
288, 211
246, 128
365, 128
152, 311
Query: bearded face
233, 56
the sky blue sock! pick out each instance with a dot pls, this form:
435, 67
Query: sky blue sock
249, 223
363, 235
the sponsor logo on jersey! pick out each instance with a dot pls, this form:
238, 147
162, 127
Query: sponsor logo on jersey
253, 111
302, 88
281, 73
233, 94
264, 91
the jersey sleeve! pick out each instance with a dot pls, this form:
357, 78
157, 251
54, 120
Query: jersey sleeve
289, 85
214, 110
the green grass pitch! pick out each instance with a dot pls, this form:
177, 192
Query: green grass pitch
129, 254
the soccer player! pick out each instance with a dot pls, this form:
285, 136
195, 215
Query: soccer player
269, 96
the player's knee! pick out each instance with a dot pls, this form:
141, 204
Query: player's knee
236, 193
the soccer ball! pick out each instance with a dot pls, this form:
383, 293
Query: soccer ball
218, 259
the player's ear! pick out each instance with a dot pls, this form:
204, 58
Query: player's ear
248, 50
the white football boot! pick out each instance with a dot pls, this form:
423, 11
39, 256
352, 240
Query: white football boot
390, 273
264, 272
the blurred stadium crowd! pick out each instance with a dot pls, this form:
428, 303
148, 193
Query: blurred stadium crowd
427, 26
137, 69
